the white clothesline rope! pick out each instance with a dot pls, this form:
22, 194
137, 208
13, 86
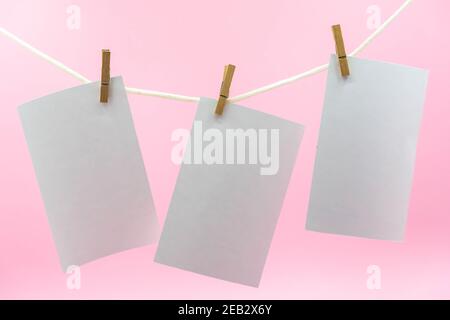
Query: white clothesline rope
240, 97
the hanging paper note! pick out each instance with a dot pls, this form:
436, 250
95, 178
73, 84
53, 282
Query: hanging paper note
90, 172
366, 151
229, 192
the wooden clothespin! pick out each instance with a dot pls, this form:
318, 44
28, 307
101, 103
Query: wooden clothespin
104, 86
340, 50
225, 88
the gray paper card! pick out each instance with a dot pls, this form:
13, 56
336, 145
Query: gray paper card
224, 210
366, 151
90, 172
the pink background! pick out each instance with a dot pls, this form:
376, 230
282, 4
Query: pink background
181, 47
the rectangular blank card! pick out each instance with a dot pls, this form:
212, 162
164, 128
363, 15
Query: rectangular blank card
229, 193
366, 151
90, 172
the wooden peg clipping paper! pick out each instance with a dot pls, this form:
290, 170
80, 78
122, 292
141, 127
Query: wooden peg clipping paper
225, 88
340, 50
104, 86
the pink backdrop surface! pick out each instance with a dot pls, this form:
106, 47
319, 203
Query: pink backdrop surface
181, 47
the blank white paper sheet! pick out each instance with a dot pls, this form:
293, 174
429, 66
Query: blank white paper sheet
222, 217
366, 150
90, 172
